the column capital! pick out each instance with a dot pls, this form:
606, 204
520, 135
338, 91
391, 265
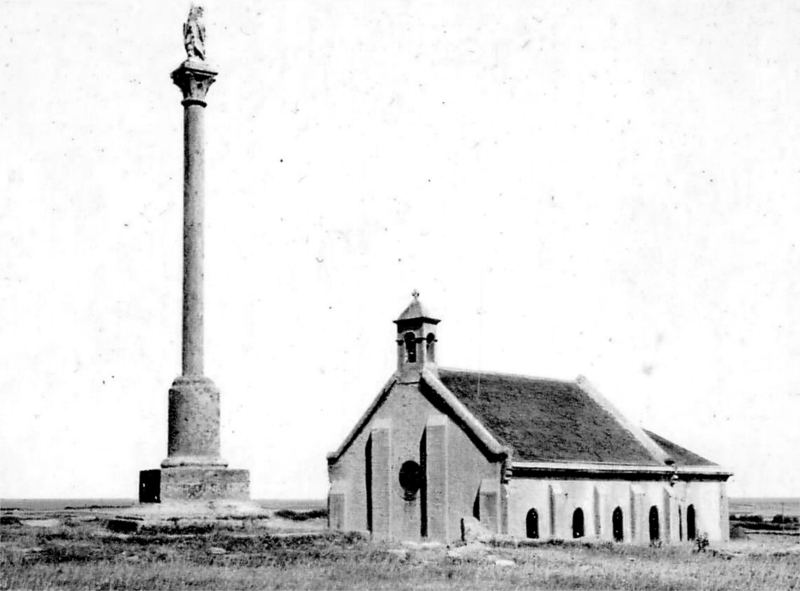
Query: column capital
194, 78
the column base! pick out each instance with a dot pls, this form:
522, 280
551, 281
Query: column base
193, 484
194, 462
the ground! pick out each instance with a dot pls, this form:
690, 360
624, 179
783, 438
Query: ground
292, 550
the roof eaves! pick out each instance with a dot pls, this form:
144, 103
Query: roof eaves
704, 470
587, 468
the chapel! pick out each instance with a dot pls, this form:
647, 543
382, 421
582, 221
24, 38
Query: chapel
526, 456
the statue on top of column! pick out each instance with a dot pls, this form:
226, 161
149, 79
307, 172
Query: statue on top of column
194, 34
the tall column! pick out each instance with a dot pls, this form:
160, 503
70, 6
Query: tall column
193, 470
194, 418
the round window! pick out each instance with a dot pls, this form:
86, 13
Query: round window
410, 478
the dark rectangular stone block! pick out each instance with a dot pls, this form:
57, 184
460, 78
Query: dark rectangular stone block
150, 486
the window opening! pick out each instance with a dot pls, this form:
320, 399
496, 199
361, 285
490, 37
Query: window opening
616, 525
431, 345
411, 348
532, 524
654, 533
410, 479
577, 523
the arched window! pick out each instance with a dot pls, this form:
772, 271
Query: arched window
430, 343
691, 526
577, 523
616, 525
532, 524
653, 520
411, 347
680, 525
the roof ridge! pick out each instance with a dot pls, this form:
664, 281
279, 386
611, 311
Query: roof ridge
652, 447
678, 450
472, 422
506, 374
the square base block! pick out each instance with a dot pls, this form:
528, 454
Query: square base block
193, 484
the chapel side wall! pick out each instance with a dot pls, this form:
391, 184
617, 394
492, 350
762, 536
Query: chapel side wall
556, 499
406, 411
710, 500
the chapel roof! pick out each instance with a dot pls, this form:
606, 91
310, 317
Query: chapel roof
545, 420
681, 455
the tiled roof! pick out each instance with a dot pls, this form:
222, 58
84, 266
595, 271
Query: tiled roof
682, 456
548, 420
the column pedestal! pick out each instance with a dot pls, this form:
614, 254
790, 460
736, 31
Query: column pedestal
193, 484
193, 469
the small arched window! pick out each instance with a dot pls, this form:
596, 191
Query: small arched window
430, 343
691, 525
577, 523
411, 347
532, 524
654, 526
616, 525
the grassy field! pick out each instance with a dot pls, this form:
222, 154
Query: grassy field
77, 551
765, 507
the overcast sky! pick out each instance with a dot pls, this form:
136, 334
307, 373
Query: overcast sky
599, 188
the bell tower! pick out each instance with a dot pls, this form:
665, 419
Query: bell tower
416, 338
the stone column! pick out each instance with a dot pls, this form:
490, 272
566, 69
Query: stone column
193, 469
193, 436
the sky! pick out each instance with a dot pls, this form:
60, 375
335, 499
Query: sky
607, 189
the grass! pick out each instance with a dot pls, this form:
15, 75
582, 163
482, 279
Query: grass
80, 554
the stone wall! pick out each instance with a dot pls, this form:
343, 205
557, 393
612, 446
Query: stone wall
366, 489
555, 501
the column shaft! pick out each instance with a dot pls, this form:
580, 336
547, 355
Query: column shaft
193, 239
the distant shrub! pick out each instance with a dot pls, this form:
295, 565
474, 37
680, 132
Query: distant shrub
301, 515
748, 518
785, 519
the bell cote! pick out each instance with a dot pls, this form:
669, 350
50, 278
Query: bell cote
416, 337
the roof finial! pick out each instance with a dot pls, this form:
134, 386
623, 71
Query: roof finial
415, 293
